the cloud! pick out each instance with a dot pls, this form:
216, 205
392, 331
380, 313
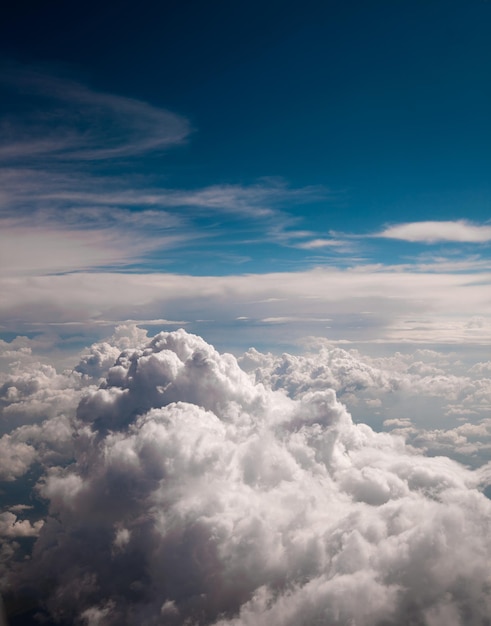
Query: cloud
364, 303
314, 244
260, 200
35, 390
27, 250
69, 209
74, 122
199, 495
46, 249
90, 199
423, 395
16, 458
55, 221
286, 320
10, 526
63, 209
461, 231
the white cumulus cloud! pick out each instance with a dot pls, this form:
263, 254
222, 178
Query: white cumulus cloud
198, 495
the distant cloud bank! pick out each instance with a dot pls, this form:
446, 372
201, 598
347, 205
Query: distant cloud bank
366, 303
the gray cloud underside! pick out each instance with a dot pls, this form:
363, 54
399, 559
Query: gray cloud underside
183, 490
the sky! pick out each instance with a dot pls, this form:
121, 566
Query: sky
245, 313
322, 144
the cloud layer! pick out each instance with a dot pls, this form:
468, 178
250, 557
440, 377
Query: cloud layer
361, 304
191, 493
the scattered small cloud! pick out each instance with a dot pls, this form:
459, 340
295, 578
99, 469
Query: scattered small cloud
461, 231
314, 244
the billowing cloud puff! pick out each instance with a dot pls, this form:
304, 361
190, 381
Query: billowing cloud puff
37, 390
16, 457
198, 495
10, 526
365, 383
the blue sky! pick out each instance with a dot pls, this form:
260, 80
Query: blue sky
247, 141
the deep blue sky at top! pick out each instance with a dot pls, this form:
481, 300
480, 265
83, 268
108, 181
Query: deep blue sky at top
384, 102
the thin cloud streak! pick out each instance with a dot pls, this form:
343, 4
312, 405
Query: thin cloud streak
76, 131
81, 124
255, 201
313, 244
113, 209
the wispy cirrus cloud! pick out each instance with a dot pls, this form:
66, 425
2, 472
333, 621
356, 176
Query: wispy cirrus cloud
40, 234
263, 199
72, 121
33, 190
70, 198
46, 249
72, 220
459, 231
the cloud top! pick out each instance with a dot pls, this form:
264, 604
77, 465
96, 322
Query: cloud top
199, 496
